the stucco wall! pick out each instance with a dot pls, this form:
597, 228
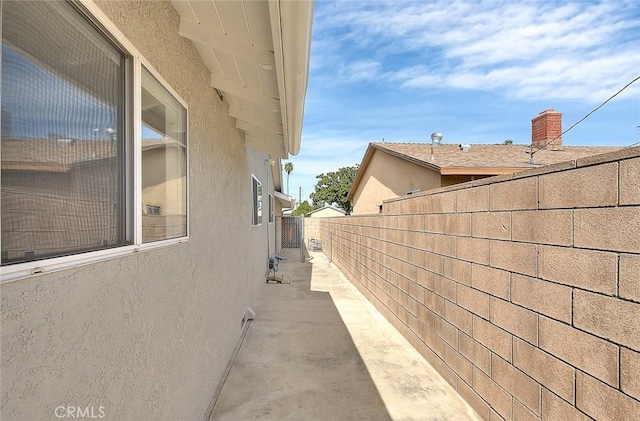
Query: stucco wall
521, 290
387, 177
147, 336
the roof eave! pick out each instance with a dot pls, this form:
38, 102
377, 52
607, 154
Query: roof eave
361, 169
269, 109
291, 25
287, 201
480, 170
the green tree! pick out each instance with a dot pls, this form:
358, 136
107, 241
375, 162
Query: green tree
303, 209
332, 188
288, 168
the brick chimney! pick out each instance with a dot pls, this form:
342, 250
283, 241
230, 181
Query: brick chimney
546, 127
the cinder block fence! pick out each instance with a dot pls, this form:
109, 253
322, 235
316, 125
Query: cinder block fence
523, 291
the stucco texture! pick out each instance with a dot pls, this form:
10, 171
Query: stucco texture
147, 336
387, 177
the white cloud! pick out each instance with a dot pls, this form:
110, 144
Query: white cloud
573, 50
360, 70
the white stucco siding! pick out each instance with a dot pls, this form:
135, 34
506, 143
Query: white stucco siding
147, 336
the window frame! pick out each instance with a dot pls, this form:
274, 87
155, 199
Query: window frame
256, 220
132, 159
138, 138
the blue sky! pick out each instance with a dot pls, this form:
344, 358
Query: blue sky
477, 71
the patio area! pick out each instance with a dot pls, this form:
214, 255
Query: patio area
318, 350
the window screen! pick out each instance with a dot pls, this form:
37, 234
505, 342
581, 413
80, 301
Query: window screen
63, 164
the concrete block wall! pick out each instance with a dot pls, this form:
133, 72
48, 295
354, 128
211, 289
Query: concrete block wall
312, 229
523, 291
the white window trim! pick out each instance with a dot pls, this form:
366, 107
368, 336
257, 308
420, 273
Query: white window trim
134, 181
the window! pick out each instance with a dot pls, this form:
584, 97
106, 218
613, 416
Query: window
256, 188
153, 210
63, 149
271, 208
164, 162
70, 154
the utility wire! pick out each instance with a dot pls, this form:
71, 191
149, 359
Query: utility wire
585, 117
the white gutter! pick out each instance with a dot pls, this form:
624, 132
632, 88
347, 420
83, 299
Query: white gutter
291, 24
287, 201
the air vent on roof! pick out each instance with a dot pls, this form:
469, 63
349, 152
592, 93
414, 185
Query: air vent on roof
465, 147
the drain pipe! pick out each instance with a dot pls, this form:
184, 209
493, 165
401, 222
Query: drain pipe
269, 166
246, 322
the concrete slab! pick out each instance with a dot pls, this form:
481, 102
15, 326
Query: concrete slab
318, 350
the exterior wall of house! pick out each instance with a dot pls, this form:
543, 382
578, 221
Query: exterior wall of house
521, 290
387, 177
147, 336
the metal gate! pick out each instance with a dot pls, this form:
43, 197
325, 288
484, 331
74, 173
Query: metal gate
292, 231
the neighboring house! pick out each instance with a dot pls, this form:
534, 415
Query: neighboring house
141, 195
390, 170
326, 212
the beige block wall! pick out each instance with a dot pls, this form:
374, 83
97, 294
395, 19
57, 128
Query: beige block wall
387, 177
147, 336
524, 298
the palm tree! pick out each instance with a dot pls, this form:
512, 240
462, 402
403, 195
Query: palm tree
288, 167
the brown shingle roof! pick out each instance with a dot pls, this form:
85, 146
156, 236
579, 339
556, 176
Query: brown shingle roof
479, 159
57, 155
487, 156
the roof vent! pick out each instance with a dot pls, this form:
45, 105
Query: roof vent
465, 147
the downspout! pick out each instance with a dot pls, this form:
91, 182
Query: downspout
269, 166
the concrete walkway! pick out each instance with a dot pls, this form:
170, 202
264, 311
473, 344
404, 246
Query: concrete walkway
318, 350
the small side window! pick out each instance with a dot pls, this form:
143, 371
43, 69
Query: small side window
257, 200
164, 163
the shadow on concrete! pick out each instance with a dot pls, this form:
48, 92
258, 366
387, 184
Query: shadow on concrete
298, 360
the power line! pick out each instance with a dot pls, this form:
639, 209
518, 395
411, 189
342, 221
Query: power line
585, 117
